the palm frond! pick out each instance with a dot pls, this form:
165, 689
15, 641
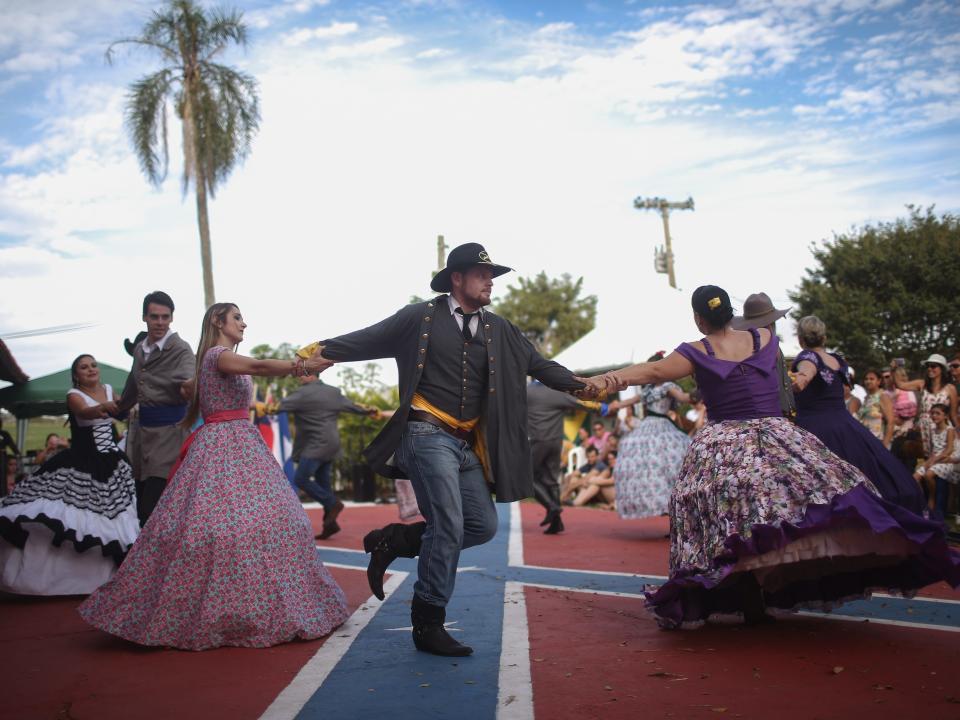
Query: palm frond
146, 122
223, 28
227, 119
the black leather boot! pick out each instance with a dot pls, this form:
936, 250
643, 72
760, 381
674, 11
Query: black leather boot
556, 524
386, 545
429, 634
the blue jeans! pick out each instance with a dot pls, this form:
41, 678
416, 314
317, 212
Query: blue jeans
454, 499
319, 489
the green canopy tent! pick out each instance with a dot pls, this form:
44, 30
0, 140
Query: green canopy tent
47, 395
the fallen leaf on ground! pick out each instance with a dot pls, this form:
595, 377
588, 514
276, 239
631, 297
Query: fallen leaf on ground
664, 674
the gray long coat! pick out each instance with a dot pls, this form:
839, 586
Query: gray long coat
156, 380
405, 336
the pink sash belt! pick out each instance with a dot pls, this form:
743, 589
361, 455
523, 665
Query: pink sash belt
218, 417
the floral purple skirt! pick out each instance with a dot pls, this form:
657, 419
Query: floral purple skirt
766, 497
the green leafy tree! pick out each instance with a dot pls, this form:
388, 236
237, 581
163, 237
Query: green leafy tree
217, 106
281, 386
888, 290
549, 311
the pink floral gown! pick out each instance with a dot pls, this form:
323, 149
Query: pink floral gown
227, 557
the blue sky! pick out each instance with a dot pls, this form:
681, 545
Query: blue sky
529, 127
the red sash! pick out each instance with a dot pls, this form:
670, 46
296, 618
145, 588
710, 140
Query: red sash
219, 417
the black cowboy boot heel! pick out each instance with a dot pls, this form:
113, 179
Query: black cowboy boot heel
429, 634
386, 545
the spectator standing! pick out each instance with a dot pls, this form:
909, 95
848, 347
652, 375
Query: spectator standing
935, 389
876, 412
316, 407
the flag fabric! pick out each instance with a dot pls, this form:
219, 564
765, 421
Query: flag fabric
275, 430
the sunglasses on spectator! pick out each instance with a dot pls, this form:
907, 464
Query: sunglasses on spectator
954, 365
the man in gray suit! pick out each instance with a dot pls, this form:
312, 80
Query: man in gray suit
546, 408
161, 381
316, 407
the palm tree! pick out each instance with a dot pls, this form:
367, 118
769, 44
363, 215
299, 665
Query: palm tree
218, 106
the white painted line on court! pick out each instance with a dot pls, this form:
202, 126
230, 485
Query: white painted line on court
290, 702
878, 621
515, 696
341, 549
590, 591
916, 598
593, 572
515, 546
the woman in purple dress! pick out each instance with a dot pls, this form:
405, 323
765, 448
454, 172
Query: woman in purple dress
818, 385
227, 557
763, 514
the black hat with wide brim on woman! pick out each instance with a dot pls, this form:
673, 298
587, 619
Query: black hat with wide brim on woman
462, 258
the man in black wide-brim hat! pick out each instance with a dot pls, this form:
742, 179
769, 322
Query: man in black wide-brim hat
460, 432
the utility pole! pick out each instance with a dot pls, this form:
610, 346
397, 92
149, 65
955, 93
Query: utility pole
441, 253
663, 256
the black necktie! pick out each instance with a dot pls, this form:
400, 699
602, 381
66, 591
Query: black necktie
467, 317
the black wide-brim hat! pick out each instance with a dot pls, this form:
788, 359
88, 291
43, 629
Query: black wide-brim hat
462, 258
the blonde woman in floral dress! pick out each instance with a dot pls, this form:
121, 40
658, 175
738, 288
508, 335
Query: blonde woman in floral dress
763, 514
228, 557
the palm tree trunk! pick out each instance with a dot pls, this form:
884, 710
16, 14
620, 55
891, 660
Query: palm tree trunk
193, 166
206, 260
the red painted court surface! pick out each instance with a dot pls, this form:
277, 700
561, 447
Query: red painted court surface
590, 655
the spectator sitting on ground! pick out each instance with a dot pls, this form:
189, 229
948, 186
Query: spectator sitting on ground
599, 437
600, 485
580, 477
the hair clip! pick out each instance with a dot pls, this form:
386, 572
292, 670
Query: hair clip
713, 303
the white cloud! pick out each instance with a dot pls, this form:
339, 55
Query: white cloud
264, 18
325, 32
534, 147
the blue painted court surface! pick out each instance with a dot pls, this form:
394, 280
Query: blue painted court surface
372, 669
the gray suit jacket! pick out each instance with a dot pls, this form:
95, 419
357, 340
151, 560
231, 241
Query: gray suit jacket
156, 380
316, 406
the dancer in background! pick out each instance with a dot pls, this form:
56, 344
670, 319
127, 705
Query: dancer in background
546, 408
159, 383
316, 407
820, 378
650, 455
761, 506
69, 525
227, 557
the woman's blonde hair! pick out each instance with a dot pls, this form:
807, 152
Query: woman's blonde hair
209, 332
811, 331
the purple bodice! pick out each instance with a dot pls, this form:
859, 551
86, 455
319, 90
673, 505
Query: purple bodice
218, 391
825, 391
737, 390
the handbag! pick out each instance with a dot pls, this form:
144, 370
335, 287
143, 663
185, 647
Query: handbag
406, 499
